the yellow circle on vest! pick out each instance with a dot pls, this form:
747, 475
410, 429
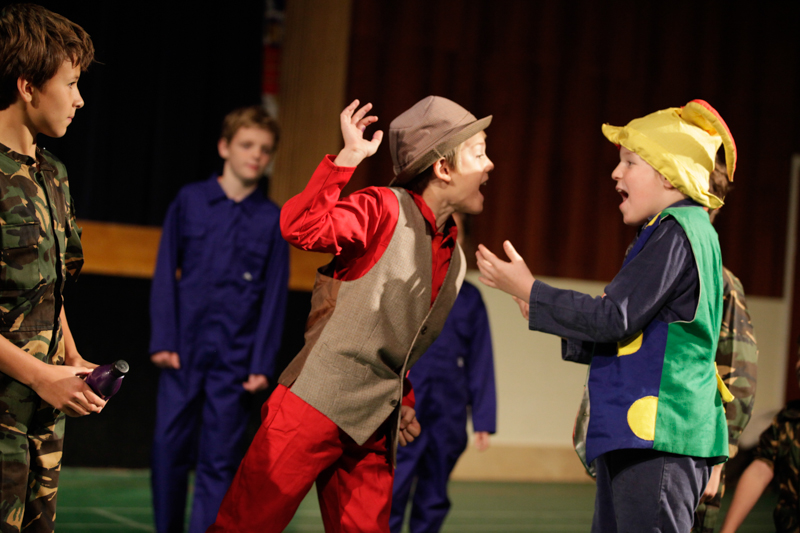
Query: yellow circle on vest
642, 417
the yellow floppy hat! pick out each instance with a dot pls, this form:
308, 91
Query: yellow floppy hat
681, 143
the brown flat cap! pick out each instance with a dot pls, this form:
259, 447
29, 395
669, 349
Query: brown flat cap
425, 132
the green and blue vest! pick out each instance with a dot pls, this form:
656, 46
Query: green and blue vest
659, 391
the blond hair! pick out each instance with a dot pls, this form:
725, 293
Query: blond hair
250, 117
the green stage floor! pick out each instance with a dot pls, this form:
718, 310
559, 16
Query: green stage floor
117, 501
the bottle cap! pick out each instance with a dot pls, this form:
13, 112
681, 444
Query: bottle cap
120, 367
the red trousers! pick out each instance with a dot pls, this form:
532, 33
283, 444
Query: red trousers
296, 446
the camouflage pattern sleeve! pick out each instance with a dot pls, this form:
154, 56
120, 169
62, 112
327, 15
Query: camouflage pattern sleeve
769, 444
779, 447
74, 252
737, 358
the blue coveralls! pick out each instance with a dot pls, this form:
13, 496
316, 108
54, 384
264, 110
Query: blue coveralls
456, 372
218, 299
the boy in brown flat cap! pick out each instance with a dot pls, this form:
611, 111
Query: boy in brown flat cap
342, 404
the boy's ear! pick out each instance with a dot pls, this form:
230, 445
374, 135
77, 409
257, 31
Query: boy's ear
25, 89
442, 170
666, 182
222, 148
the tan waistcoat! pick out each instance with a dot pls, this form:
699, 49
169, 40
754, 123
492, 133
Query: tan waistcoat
363, 335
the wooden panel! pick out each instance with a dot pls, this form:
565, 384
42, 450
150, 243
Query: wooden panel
312, 90
112, 249
303, 268
130, 251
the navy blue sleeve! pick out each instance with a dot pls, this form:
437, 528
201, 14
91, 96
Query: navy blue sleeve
660, 281
583, 351
164, 288
269, 331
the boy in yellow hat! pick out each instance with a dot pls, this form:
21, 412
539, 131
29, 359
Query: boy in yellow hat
657, 423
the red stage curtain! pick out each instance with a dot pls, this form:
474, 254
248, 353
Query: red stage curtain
551, 72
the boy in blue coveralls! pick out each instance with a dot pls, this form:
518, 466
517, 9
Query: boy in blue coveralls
217, 309
456, 374
657, 424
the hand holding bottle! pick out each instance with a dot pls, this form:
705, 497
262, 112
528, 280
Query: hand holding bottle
105, 380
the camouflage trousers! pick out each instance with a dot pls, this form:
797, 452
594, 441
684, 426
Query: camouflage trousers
705, 517
31, 442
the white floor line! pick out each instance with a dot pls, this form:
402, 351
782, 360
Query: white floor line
121, 519
111, 508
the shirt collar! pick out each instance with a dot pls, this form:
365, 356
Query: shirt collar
450, 229
686, 202
215, 194
21, 159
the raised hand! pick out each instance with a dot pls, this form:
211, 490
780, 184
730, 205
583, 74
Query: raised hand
513, 277
356, 147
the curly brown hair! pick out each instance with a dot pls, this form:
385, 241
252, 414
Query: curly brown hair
34, 43
718, 183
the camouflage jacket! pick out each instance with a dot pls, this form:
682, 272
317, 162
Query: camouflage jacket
779, 447
737, 358
39, 247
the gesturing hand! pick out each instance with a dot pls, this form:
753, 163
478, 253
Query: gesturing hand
356, 146
513, 277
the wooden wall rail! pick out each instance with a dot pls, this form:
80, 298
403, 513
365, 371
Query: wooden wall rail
126, 250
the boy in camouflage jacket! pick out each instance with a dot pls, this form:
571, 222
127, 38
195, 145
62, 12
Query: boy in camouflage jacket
777, 455
737, 362
41, 57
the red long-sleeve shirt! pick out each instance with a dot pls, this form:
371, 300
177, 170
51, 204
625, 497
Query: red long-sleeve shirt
356, 229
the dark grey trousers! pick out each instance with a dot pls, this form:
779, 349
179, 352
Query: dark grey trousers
646, 491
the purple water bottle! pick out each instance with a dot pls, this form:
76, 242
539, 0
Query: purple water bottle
105, 380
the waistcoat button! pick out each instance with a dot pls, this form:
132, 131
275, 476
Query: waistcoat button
393, 403
423, 330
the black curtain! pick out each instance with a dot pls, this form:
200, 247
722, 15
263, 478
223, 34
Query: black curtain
167, 74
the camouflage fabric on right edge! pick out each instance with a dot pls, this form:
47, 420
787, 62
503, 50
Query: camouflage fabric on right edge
780, 448
737, 361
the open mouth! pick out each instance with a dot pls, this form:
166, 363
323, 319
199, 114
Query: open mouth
623, 193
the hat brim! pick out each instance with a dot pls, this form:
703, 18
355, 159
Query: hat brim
435, 153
